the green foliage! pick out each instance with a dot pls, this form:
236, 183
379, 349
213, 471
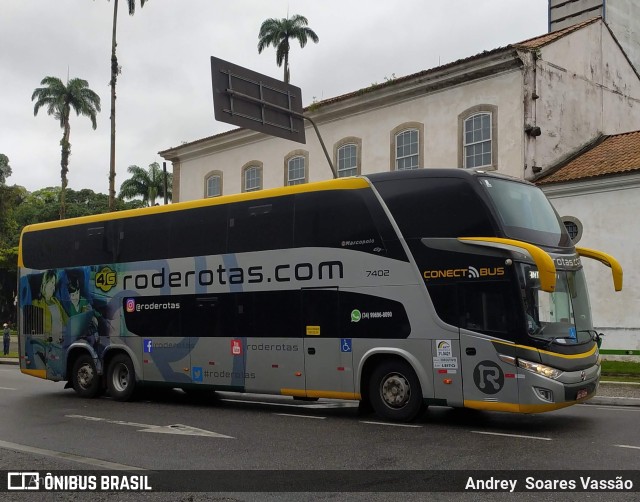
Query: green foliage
10, 199
59, 99
278, 32
148, 184
5, 168
9, 258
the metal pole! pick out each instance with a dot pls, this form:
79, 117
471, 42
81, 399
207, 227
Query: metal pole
164, 173
324, 148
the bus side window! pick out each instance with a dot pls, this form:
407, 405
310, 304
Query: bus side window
260, 225
146, 239
198, 232
488, 307
337, 218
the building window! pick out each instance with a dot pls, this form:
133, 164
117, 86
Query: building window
296, 167
347, 155
574, 227
252, 176
407, 150
477, 140
478, 137
296, 171
406, 146
347, 161
213, 184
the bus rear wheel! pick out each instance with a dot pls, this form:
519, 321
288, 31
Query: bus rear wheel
121, 378
85, 378
394, 391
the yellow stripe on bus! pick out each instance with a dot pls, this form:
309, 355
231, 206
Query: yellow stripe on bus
35, 373
582, 355
515, 407
326, 394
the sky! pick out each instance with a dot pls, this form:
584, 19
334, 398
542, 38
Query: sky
164, 96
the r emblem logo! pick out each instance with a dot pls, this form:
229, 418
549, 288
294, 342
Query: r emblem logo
488, 377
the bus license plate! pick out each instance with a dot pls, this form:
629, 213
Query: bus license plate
582, 393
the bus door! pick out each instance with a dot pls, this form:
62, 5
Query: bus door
217, 330
487, 318
328, 358
42, 342
274, 351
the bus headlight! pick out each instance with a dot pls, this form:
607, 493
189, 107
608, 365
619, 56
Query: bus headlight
540, 369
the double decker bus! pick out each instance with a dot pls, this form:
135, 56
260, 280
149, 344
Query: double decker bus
403, 290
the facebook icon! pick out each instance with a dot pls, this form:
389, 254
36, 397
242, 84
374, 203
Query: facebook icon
146, 345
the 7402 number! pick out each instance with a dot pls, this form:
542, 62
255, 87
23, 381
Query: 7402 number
377, 273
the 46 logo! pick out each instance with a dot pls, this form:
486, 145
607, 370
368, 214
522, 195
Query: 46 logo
106, 279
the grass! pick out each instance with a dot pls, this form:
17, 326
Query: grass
620, 371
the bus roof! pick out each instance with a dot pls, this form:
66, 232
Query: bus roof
350, 183
439, 173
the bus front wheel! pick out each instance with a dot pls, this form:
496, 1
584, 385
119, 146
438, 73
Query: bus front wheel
121, 378
85, 378
394, 391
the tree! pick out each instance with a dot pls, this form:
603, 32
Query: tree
5, 168
277, 32
10, 199
147, 184
115, 71
59, 99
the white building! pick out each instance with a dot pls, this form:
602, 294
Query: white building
600, 189
521, 110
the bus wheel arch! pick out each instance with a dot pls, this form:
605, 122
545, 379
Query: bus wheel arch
84, 376
392, 387
121, 376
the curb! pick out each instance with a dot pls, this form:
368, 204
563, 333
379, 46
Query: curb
613, 401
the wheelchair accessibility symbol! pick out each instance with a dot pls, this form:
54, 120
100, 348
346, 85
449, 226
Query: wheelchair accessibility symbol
345, 345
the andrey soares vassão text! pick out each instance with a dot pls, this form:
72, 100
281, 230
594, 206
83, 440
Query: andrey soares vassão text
586, 483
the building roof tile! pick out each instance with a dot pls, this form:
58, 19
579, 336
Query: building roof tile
608, 155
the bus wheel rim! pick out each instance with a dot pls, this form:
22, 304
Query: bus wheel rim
85, 376
395, 390
120, 378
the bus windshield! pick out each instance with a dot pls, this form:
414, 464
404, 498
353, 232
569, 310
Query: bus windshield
525, 212
561, 317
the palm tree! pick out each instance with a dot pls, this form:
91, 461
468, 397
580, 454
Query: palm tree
277, 32
115, 71
59, 99
147, 184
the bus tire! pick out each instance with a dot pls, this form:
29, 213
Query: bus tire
394, 391
121, 378
84, 377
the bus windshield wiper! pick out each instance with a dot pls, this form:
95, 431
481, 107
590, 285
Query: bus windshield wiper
551, 340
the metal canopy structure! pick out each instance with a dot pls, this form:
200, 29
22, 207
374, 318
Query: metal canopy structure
255, 101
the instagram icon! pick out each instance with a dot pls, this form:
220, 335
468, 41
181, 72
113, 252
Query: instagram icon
130, 305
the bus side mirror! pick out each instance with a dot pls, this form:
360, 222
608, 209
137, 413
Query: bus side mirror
599, 339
